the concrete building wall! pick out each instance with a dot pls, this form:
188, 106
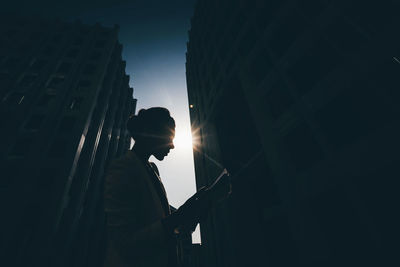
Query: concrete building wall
65, 99
298, 100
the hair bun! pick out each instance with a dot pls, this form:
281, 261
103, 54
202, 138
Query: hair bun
149, 121
134, 125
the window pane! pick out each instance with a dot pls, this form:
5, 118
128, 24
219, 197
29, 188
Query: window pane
34, 122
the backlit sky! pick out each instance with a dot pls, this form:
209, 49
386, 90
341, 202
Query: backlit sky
154, 36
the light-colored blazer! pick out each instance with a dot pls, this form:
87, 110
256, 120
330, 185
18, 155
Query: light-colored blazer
134, 209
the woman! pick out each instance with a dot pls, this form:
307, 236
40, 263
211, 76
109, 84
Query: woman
140, 227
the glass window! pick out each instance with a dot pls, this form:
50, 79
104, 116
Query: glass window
38, 64
62, 27
4, 77
11, 33
303, 147
11, 62
54, 84
314, 65
57, 38
75, 103
64, 67
100, 43
28, 79
35, 36
45, 100
21, 22
49, 50
89, 69
73, 53
286, 34
278, 98
347, 38
46, 177
84, 83
67, 124
10, 172
59, 147
15, 98
78, 41
21, 147
95, 55
84, 29
35, 122
55, 81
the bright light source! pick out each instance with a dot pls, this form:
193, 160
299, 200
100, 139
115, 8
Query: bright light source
183, 139
191, 106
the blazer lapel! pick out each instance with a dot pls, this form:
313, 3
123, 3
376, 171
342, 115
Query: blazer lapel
153, 180
158, 183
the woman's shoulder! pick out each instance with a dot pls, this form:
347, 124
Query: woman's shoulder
122, 180
126, 161
124, 167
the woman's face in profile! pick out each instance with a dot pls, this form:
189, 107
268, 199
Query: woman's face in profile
163, 143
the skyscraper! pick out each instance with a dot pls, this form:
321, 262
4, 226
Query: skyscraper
65, 99
299, 101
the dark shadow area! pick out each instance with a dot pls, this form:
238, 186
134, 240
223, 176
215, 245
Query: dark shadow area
308, 87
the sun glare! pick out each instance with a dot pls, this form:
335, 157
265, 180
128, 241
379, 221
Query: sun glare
183, 139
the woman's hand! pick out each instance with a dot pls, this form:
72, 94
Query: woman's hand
196, 208
189, 214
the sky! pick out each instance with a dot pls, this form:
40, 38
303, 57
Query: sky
154, 35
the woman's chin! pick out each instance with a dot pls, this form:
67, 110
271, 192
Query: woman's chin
160, 157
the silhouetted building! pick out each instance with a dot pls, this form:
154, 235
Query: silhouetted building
299, 100
65, 99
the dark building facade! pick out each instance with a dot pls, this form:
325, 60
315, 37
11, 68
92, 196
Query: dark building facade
299, 100
65, 99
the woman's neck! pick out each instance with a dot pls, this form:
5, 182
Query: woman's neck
141, 151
